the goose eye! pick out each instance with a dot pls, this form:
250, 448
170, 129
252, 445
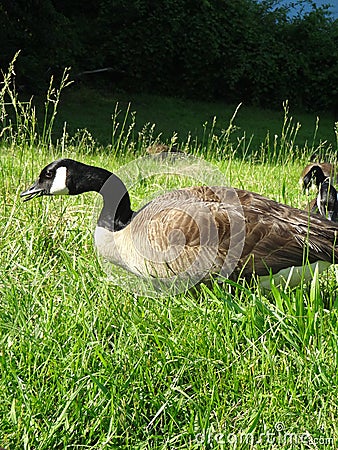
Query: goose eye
49, 174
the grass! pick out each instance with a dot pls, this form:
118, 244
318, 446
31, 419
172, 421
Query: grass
85, 364
84, 108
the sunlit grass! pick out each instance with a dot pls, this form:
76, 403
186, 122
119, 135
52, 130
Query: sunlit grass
87, 365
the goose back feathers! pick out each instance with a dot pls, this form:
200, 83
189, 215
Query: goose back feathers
196, 232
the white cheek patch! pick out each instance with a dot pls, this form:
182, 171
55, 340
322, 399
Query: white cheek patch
59, 183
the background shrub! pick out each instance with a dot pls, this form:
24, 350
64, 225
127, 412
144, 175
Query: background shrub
234, 50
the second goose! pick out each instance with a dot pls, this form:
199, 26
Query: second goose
326, 202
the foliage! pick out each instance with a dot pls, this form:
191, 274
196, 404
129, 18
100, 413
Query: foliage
240, 50
45, 37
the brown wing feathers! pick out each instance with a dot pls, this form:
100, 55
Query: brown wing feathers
280, 235
275, 236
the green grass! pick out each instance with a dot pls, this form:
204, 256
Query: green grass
87, 365
84, 108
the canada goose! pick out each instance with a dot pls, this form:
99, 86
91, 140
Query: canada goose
327, 201
312, 173
157, 149
162, 152
189, 232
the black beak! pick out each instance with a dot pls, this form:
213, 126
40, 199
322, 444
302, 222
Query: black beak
32, 192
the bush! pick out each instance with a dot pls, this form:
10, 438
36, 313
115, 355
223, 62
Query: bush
236, 50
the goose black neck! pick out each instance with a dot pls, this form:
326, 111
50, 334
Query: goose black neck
87, 178
327, 193
116, 212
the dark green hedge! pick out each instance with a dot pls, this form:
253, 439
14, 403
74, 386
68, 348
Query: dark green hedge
235, 50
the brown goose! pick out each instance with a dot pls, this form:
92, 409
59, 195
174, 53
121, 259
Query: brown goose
163, 152
194, 232
157, 149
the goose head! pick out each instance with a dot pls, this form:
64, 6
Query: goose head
314, 175
69, 177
